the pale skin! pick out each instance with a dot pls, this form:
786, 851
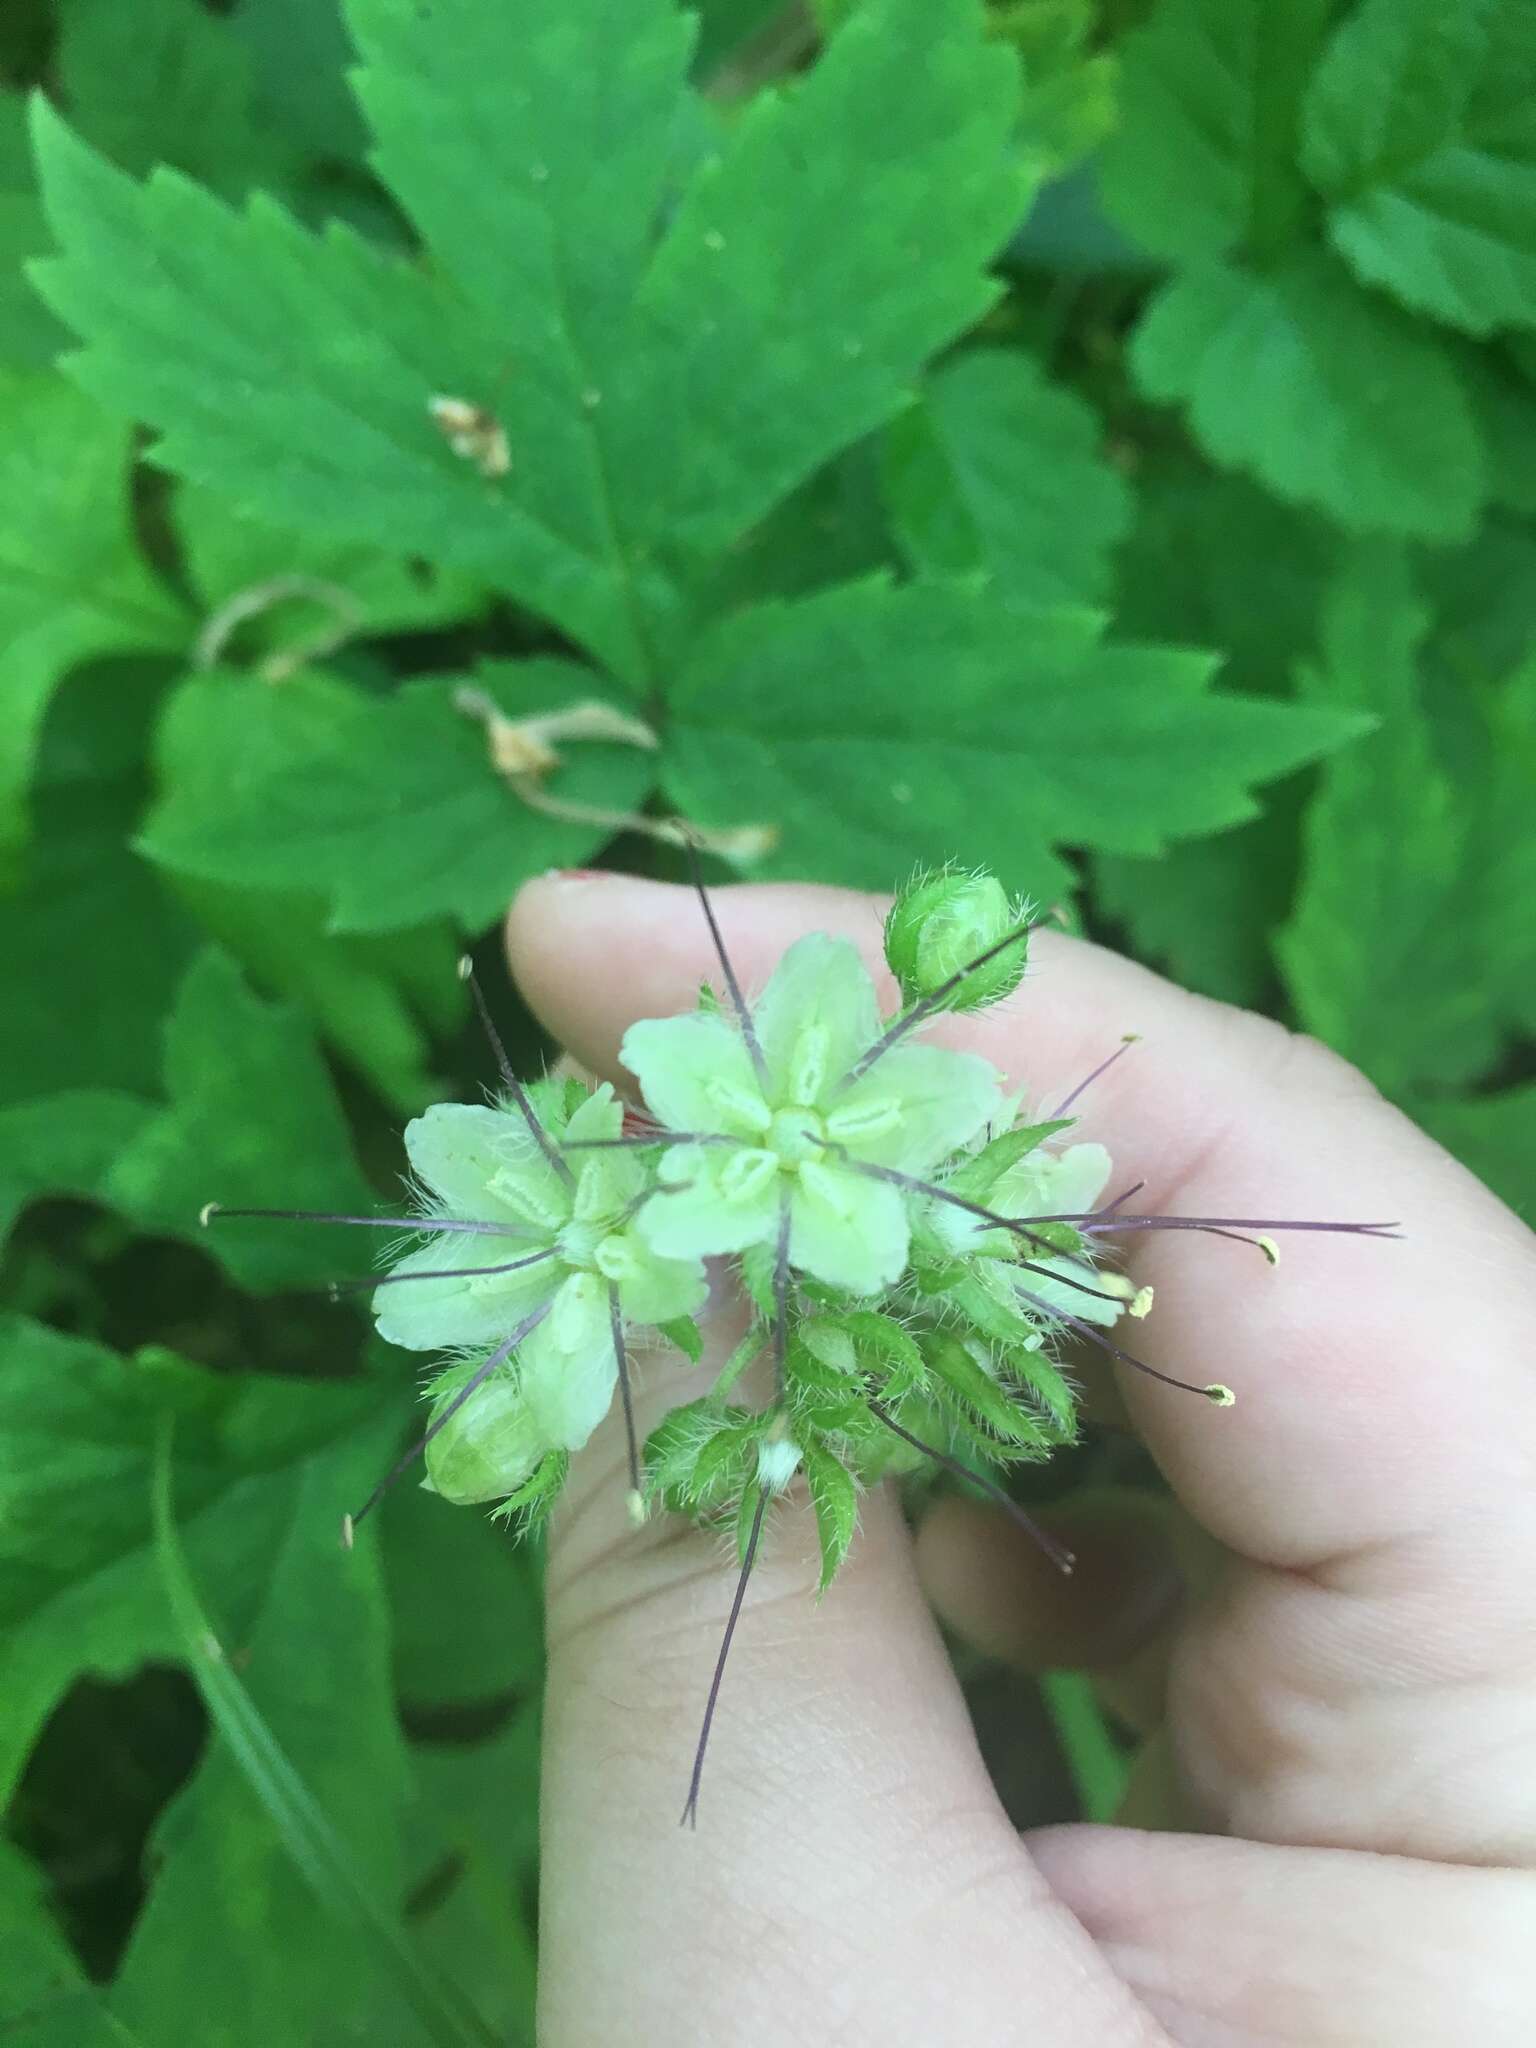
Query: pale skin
1334, 1836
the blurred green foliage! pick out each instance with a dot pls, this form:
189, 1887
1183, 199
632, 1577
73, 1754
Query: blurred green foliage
1097, 440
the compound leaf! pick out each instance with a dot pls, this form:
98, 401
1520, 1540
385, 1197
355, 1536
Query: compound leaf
1203, 158
956, 720
1420, 130
1000, 471
390, 807
79, 1591
1330, 397
72, 583
1375, 965
252, 1120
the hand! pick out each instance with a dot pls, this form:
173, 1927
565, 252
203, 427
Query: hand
1348, 1714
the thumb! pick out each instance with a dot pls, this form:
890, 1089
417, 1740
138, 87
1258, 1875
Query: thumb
851, 1874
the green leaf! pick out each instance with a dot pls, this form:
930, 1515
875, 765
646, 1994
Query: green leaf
1000, 471
1330, 397
957, 722
318, 589
1375, 965
1495, 1135
1213, 560
78, 1588
1203, 159
64, 1144
71, 581
1420, 130
280, 1865
903, 124
1070, 100
252, 1120
371, 994
835, 1498
105, 947
362, 993
1505, 403
475, 1832
46, 2000
391, 807
299, 53
436, 1554
295, 373
163, 82
30, 337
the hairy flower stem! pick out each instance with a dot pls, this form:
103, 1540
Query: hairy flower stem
690, 1813
472, 1385
1058, 1553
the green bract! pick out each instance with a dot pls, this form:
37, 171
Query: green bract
791, 1134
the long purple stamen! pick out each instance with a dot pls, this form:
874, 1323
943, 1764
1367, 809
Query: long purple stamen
929, 1005
1092, 1223
1088, 1080
510, 1082
337, 1288
472, 1385
411, 1223
733, 986
1058, 1553
626, 1393
690, 1813
1083, 1328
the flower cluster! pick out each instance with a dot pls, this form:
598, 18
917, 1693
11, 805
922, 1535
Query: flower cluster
918, 1249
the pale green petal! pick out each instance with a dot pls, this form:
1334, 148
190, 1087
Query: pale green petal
915, 1106
469, 1156
1067, 1183
441, 1315
1059, 1293
606, 1184
651, 1289
568, 1369
696, 1075
488, 1448
847, 1230
713, 1200
816, 1016
600, 1116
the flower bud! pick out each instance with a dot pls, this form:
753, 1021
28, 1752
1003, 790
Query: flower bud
486, 1448
940, 924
